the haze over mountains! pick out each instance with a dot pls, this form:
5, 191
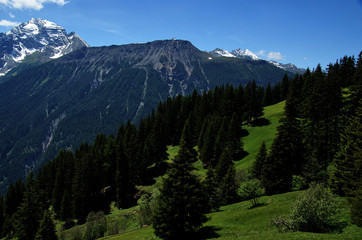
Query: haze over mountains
69, 100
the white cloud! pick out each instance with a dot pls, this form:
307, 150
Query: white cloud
30, 4
270, 55
6, 23
11, 15
305, 58
275, 56
260, 53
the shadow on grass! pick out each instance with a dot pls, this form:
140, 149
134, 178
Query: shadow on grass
208, 232
257, 205
260, 122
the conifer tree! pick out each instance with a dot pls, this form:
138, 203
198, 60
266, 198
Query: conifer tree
182, 203
225, 175
213, 190
259, 161
46, 229
286, 155
207, 152
29, 212
66, 211
2, 215
276, 93
268, 97
234, 134
124, 188
347, 165
80, 187
221, 139
284, 87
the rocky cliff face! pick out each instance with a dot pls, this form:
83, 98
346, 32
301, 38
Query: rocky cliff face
37, 35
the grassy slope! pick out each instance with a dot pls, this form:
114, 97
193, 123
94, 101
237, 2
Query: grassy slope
257, 135
237, 221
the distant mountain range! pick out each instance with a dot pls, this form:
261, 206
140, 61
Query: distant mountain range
37, 35
247, 54
70, 99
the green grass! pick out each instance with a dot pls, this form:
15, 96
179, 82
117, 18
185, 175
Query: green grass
257, 135
238, 221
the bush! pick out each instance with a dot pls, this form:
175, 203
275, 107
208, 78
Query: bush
251, 190
315, 210
356, 206
96, 225
298, 183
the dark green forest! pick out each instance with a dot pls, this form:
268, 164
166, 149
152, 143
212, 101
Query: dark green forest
318, 140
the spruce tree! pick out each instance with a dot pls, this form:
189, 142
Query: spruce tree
286, 155
182, 203
234, 135
284, 87
225, 176
29, 212
124, 188
259, 161
268, 97
213, 190
347, 164
46, 229
2, 215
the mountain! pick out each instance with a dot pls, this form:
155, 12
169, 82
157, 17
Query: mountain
39, 36
247, 54
69, 100
218, 52
288, 67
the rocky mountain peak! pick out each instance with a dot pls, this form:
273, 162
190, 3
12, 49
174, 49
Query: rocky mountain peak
36, 35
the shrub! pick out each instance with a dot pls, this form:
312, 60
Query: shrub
251, 190
298, 183
316, 210
96, 225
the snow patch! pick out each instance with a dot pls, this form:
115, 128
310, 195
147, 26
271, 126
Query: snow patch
32, 28
22, 53
3, 74
222, 53
244, 54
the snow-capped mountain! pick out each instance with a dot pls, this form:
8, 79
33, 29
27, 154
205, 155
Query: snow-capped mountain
288, 67
237, 53
247, 54
221, 53
36, 35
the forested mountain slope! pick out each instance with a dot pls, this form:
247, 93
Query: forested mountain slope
69, 100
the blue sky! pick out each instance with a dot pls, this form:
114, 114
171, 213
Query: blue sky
304, 32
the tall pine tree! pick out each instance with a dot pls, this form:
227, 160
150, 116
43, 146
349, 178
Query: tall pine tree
46, 229
182, 203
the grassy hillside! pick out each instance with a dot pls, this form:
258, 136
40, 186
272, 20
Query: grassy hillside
237, 221
258, 134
